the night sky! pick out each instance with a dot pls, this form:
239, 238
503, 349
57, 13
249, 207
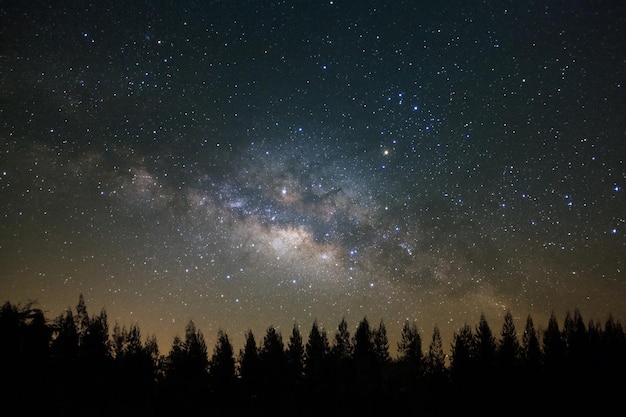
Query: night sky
252, 163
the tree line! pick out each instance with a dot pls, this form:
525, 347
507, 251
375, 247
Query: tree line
74, 363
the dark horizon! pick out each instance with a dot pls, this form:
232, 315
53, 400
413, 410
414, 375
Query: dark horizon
237, 337
125, 373
540, 326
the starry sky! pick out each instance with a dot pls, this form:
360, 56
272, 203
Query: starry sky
254, 163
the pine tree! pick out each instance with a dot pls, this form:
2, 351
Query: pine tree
485, 346
613, 346
593, 360
575, 336
381, 343
531, 348
272, 348
295, 353
363, 346
222, 365
196, 352
151, 349
410, 359
96, 343
342, 347
363, 353
133, 345
81, 320
273, 360
65, 357
187, 362
10, 328
436, 358
316, 355
342, 359
462, 358
508, 349
135, 368
119, 338
24, 358
175, 361
35, 337
554, 347
410, 344
249, 360
65, 338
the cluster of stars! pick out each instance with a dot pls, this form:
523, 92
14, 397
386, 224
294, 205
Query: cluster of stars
281, 164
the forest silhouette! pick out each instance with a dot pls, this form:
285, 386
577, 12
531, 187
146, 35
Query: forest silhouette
74, 365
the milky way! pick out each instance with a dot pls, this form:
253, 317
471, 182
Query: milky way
249, 164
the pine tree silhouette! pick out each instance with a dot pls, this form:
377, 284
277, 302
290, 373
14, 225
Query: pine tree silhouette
120, 374
317, 350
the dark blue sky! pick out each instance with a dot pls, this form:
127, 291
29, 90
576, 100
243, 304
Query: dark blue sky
251, 163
